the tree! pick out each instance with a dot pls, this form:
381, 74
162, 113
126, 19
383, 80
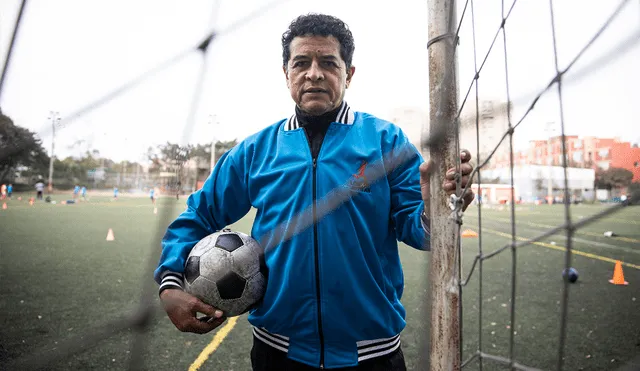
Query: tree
613, 178
634, 190
203, 151
223, 147
19, 147
155, 165
173, 155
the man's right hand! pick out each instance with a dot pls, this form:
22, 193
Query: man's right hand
183, 308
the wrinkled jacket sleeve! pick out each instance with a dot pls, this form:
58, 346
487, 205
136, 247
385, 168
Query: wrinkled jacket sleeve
402, 162
222, 200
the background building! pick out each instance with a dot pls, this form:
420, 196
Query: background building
493, 124
531, 181
582, 152
413, 121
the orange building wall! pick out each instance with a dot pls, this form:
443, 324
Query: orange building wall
589, 152
626, 157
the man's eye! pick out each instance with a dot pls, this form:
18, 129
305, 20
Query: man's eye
330, 63
299, 63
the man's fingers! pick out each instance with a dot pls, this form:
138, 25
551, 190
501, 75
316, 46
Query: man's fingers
465, 156
217, 321
199, 306
450, 186
201, 327
465, 169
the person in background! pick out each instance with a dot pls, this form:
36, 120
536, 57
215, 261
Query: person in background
152, 195
39, 190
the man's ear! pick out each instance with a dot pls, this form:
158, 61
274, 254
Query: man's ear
350, 73
286, 74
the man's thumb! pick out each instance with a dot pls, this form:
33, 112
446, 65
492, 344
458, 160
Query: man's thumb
425, 172
426, 168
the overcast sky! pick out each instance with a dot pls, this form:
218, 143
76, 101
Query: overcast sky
72, 52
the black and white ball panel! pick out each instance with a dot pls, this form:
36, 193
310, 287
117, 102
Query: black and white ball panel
215, 263
229, 242
227, 270
246, 260
192, 269
231, 286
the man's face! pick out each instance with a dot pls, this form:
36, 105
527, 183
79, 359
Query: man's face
316, 74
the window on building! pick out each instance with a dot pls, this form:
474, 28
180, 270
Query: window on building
604, 165
577, 156
603, 153
577, 144
636, 164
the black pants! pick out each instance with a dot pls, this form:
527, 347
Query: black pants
266, 358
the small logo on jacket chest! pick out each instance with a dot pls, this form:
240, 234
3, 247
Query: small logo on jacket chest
358, 180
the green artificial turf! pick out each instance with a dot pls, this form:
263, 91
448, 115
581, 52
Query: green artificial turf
61, 280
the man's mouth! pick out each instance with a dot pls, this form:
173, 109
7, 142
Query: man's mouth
315, 90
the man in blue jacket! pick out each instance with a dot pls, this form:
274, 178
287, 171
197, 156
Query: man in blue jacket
334, 190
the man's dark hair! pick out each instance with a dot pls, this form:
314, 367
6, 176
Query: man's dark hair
319, 25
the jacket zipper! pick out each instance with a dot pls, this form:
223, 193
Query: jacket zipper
316, 248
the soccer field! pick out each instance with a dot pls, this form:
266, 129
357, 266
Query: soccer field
61, 280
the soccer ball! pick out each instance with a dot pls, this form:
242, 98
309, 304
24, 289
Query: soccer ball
227, 271
570, 274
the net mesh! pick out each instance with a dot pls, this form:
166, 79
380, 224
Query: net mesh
569, 227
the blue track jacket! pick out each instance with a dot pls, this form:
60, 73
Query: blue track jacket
334, 287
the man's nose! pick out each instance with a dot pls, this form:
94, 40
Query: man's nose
314, 72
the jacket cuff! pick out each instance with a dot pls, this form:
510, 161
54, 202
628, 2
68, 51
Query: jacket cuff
426, 223
171, 280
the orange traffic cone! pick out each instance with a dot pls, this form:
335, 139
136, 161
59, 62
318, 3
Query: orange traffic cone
618, 275
110, 236
469, 233
4, 206
31, 202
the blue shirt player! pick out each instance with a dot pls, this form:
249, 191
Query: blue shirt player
83, 191
115, 192
76, 190
152, 194
9, 190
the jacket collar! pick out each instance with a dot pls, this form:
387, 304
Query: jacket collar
345, 116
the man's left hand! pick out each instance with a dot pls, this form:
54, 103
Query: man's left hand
449, 183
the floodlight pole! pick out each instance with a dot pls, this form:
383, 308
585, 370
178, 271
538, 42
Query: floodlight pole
444, 280
213, 121
54, 117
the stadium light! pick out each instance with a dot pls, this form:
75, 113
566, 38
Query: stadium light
213, 121
54, 117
